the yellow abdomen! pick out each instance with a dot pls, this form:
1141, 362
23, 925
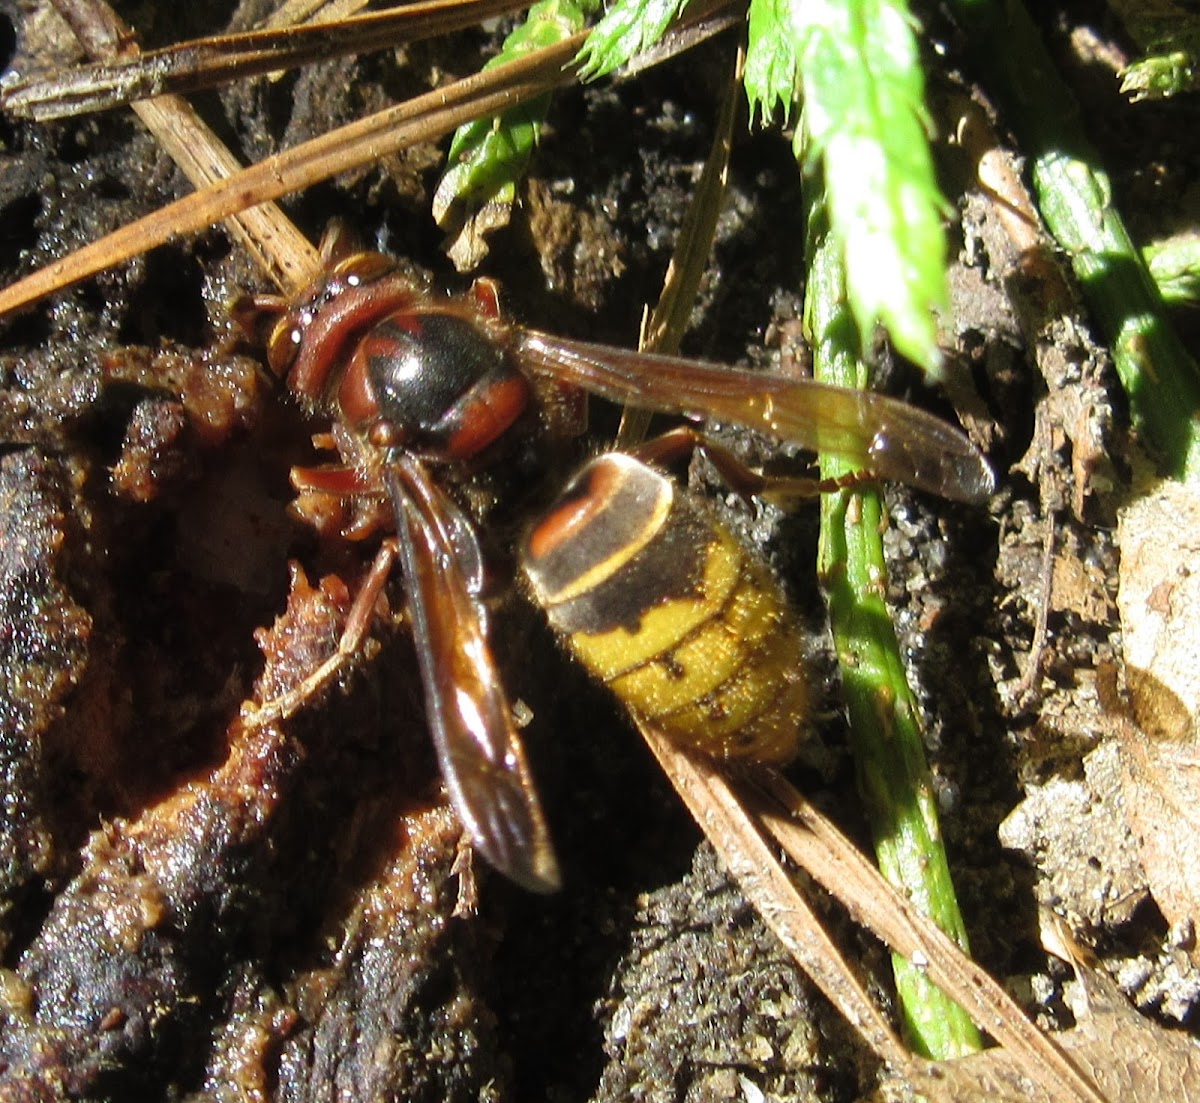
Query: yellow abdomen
660, 602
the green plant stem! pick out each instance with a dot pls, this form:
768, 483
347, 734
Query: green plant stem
893, 774
1074, 196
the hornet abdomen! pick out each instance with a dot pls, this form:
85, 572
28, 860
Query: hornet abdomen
664, 606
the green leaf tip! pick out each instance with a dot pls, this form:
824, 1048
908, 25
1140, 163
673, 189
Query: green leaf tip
488, 157
628, 28
771, 76
864, 121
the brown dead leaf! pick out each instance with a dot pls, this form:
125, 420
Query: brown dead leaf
1073, 830
467, 231
1159, 601
1161, 782
1129, 1057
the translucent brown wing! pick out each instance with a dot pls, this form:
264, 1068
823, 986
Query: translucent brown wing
478, 747
889, 439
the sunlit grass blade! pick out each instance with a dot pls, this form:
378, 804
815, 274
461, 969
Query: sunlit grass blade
1162, 75
855, 66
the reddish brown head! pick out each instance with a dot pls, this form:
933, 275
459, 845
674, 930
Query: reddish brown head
406, 368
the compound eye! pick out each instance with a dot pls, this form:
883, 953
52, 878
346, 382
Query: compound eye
362, 268
283, 345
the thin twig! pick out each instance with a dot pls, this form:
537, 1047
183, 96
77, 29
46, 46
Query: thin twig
122, 78
739, 844
833, 861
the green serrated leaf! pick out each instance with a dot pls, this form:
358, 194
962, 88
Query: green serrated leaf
548, 22
771, 70
1162, 76
629, 27
864, 120
1175, 265
1169, 35
488, 157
